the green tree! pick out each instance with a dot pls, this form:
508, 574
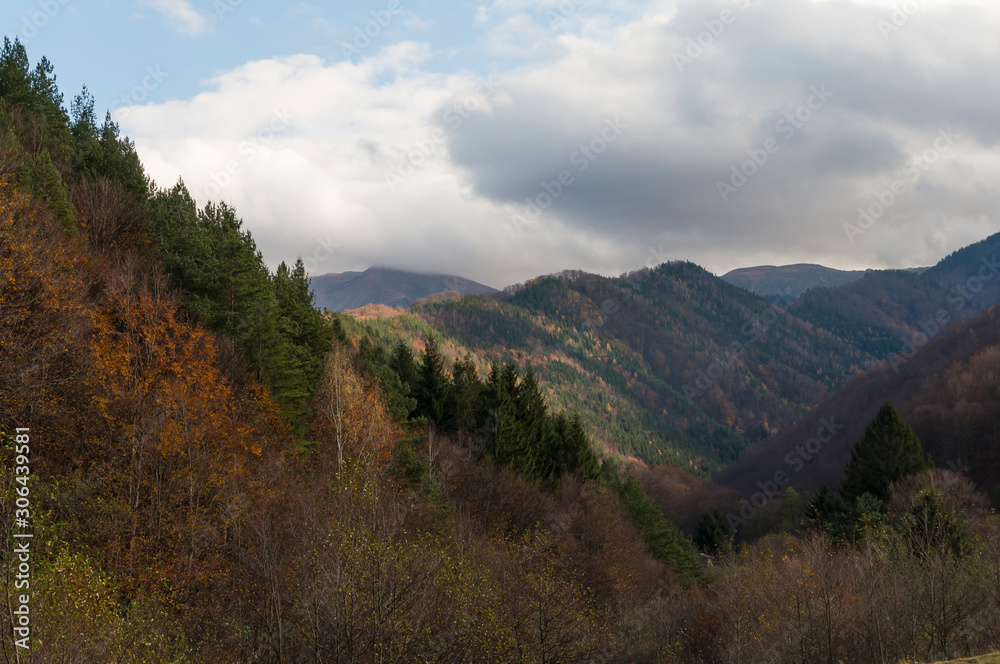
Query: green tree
374, 365
433, 387
467, 390
572, 452
889, 451
405, 366
46, 185
713, 535
664, 541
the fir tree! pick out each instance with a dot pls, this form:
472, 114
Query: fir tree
433, 388
713, 535
889, 451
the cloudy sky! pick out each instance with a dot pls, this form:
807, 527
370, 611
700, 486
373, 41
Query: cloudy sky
504, 140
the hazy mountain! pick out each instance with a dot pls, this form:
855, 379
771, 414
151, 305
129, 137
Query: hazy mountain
380, 285
788, 281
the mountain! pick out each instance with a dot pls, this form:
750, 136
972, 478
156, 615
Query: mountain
670, 364
380, 285
886, 309
947, 389
787, 282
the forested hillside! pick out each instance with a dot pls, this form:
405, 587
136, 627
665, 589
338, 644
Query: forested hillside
667, 365
199, 466
886, 310
948, 389
215, 472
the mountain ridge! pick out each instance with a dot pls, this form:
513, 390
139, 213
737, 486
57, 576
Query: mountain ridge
387, 286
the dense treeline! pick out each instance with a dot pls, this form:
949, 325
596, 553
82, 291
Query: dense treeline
902, 565
651, 355
227, 287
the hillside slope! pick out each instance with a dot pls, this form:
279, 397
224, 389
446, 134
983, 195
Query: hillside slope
665, 365
948, 390
885, 309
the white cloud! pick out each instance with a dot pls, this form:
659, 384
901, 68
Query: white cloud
181, 15
324, 174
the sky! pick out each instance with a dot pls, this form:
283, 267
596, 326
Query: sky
509, 139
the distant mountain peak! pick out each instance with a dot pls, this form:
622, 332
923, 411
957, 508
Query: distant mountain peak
789, 281
387, 286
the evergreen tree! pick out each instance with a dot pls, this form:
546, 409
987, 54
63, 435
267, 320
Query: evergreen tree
664, 541
501, 414
535, 436
47, 186
374, 365
828, 511
572, 452
433, 387
889, 451
713, 535
405, 366
467, 391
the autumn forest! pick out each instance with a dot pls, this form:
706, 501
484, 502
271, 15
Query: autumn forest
207, 468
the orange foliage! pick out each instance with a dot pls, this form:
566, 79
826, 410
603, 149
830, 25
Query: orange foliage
355, 416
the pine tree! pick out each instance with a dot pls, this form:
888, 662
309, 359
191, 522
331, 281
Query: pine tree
572, 452
468, 393
433, 387
713, 535
889, 451
405, 366
535, 436
501, 414
664, 541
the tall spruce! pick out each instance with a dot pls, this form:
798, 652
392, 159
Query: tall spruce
889, 451
433, 388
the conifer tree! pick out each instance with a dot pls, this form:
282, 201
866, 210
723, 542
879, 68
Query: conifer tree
536, 435
713, 535
405, 366
664, 541
434, 389
468, 392
572, 452
889, 451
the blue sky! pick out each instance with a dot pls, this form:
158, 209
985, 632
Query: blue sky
501, 140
